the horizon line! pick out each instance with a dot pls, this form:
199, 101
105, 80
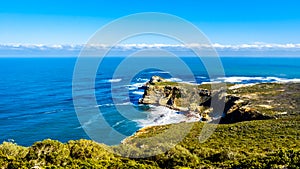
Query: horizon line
243, 49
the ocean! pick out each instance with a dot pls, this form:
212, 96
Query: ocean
36, 100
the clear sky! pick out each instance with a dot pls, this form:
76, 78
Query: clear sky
230, 22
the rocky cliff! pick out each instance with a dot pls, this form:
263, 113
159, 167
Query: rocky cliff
242, 102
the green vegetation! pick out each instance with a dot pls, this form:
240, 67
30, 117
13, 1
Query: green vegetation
202, 86
253, 144
273, 143
166, 83
274, 99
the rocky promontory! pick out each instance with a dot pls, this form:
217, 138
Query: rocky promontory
270, 143
240, 102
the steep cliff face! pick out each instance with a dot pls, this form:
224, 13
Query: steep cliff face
189, 98
176, 96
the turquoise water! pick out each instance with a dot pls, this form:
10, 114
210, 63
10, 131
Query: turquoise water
36, 94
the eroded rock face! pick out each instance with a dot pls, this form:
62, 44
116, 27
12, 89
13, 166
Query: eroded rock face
238, 114
189, 98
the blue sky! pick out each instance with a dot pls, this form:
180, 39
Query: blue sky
230, 22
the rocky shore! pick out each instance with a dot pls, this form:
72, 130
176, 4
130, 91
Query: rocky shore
254, 143
240, 102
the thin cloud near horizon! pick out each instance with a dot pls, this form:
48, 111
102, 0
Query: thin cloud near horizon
245, 49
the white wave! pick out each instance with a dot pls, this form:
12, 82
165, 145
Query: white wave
239, 79
10, 140
158, 71
212, 82
174, 79
89, 122
138, 92
124, 104
236, 86
135, 86
114, 80
118, 123
162, 115
289, 80
201, 77
54, 111
114, 104
142, 79
105, 105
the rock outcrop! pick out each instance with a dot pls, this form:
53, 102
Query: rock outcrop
189, 98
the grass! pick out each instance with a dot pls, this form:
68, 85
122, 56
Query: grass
253, 144
201, 86
272, 99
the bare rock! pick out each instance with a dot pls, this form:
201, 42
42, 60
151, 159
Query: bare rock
192, 99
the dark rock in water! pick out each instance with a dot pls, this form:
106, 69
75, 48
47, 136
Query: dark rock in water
158, 118
144, 87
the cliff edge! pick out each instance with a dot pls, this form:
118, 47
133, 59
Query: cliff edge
241, 102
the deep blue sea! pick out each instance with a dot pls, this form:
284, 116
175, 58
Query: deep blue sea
36, 100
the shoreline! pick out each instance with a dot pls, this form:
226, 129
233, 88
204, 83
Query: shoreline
233, 87
273, 142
